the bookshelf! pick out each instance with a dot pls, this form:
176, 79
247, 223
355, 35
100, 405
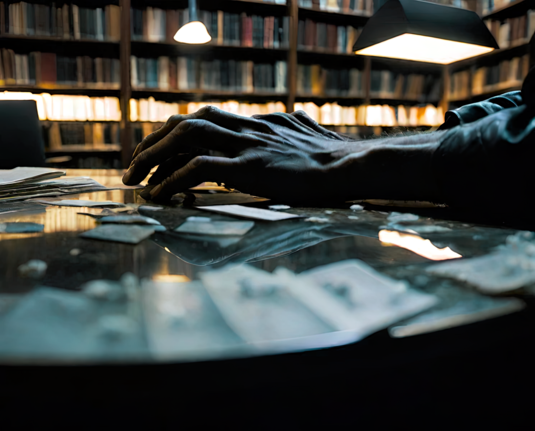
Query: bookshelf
513, 25
311, 44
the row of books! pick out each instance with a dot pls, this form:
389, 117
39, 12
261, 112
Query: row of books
38, 68
88, 135
160, 25
489, 6
326, 37
512, 31
341, 6
59, 107
186, 73
373, 115
317, 81
386, 84
507, 73
150, 110
67, 21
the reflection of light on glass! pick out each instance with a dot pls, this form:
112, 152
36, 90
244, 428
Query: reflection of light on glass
424, 48
417, 245
170, 278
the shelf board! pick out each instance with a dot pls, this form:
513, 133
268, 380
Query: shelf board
313, 52
500, 13
63, 89
106, 148
205, 47
55, 39
324, 96
490, 91
80, 121
207, 93
328, 13
511, 49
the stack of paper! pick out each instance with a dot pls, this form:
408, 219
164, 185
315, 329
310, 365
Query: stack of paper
25, 183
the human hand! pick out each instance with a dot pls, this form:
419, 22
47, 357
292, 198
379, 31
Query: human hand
286, 157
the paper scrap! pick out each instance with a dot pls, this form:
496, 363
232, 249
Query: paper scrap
216, 228
79, 203
203, 199
248, 212
21, 227
279, 207
128, 234
28, 175
317, 220
129, 219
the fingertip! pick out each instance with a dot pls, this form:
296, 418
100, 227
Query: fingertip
127, 177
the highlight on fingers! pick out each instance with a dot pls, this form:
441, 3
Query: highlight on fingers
198, 170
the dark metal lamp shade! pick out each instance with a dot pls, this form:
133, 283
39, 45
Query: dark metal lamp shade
422, 31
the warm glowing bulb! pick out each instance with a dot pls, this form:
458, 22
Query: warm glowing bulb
193, 32
417, 245
424, 48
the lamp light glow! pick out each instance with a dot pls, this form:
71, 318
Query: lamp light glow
424, 48
423, 31
194, 32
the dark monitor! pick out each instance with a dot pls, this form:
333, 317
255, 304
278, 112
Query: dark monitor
21, 138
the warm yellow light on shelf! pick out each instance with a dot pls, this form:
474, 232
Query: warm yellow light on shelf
194, 32
418, 245
424, 48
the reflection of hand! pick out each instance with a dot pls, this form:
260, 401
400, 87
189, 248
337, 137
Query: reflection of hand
264, 241
280, 156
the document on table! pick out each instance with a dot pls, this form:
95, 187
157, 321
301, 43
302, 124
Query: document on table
249, 212
23, 175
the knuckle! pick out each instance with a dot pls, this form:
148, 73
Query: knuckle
199, 161
206, 111
174, 119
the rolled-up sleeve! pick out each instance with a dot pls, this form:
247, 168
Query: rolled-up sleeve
475, 111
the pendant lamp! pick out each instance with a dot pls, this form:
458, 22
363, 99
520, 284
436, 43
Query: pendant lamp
422, 31
194, 32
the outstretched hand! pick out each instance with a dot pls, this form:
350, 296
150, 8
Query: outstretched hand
279, 156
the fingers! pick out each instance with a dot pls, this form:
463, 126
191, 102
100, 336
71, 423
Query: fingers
302, 117
168, 167
189, 133
197, 171
221, 118
155, 136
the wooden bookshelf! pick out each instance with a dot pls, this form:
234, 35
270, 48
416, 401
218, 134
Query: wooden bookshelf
516, 7
516, 48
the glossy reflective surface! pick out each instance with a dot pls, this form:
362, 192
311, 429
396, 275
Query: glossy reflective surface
295, 244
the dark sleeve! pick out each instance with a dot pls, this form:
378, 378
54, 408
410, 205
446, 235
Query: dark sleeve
475, 111
488, 163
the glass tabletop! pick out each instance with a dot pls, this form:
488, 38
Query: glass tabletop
165, 269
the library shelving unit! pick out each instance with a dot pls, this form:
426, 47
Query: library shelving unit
311, 62
502, 70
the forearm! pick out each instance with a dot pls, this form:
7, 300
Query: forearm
398, 168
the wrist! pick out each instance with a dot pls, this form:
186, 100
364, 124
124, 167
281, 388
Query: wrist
397, 168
